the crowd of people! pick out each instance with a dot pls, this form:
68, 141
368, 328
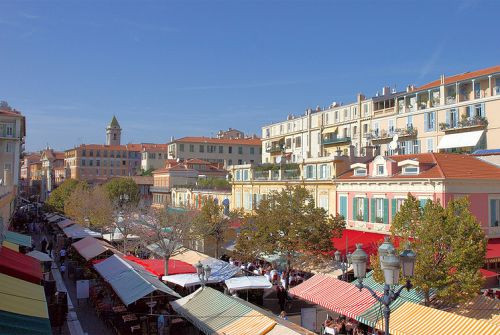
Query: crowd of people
344, 326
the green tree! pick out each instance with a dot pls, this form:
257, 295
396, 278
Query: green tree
213, 183
450, 246
89, 206
148, 172
211, 223
59, 196
289, 224
122, 191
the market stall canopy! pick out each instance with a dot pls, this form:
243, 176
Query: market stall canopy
11, 246
481, 308
90, 247
460, 140
19, 239
23, 308
65, 223
493, 250
414, 319
215, 313
336, 295
220, 271
248, 283
131, 282
157, 266
116, 236
41, 256
18, 265
189, 256
347, 242
55, 218
76, 231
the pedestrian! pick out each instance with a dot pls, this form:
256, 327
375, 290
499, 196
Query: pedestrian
43, 245
161, 322
62, 269
281, 297
283, 315
62, 255
50, 246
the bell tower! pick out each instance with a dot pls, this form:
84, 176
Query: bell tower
113, 132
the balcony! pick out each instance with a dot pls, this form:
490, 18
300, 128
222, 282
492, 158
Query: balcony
464, 125
159, 189
383, 135
333, 140
274, 150
450, 100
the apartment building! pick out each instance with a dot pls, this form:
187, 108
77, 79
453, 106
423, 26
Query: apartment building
12, 134
153, 156
194, 197
174, 174
26, 184
52, 165
223, 151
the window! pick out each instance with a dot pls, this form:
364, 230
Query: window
416, 146
324, 171
365, 128
323, 202
83, 162
267, 132
240, 150
310, 171
379, 210
430, 145
112, 153
8, 147
84, 153
298, 142
230, 162
114, 137
10, 130
391, 127
91, 153
230, 149
336, 116
354, 131
252, 151
355, 111
288, 143
247, 201
477, 90
365, 109
97, 163
452, 118
409, 122
380, 169
245, 175
181, 147
399, 203
240, 161
360, 172
343, 206
124, 163
105, 153
221, 149
202, 148
430, 121
410, 170
494, 212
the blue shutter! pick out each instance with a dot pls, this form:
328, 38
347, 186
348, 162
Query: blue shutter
468, 111
354, 208
448, 118
343, 203
422, 203
365, 209
493, 212
386, 211
426, 121
483, 112
393, 209
433, 121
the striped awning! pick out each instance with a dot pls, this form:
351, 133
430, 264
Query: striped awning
414, 319
480, 307
215, 313
336, 295
330, 130
19, 239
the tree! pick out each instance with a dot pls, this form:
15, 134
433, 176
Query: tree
450, 247
122, 191
212, 223
59, 196
213, 183
289, 224
168, 230
89, 206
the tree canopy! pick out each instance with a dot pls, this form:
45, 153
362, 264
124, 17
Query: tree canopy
122, 191
213, 183
60, 195
89, 206
450, 247
289, 224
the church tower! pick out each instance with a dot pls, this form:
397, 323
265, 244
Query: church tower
113, 132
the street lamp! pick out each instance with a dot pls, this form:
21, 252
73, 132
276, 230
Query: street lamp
203, 272
391, 264
343, 263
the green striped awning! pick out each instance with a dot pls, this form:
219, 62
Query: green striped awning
374, 313
18, 239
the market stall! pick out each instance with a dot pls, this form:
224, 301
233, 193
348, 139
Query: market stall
19, 239
220, 271
248, 283
157, 266
75, 231
90, 247
20, 266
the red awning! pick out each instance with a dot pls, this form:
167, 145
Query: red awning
488, 274
156, 266
335, 295
18, 265
370, 241
493, 250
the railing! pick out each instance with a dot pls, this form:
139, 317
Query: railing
290, 175
261, 175
274, 149
451, 100
159, 189
275, 175
464, 124
332, 140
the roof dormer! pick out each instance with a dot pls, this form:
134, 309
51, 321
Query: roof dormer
409, 167
360, 169
379, 167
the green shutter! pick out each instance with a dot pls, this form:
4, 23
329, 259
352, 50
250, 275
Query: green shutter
343, 207
493, 212
422, 203
354, 208
365, 212
374, 210
386, 211
393, 209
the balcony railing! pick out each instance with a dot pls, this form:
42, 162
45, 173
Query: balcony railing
290, 175
159, 189
451, 100
387, 135
476, 122
275, 149
335, 140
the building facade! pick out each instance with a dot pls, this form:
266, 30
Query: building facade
173, 175
193, 198
153, 156
53, 171
113, 132
223, 151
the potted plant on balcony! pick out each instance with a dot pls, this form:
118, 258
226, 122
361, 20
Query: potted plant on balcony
443, 126
379, 219
360, 217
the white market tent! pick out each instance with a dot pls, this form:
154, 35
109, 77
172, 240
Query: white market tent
41, 256
90, 247
76, 231
248, 283
220, 271
130, 282
116, 236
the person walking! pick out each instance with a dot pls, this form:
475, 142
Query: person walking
43, 245
50, 246
62, 255
161, 323
281, 297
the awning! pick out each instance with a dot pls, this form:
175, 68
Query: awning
460, 140
130, 282
336, 295
215, 313
116, 235
488, 274
493, 250
65, 223
248, 283
330, 130
350, 238
55, 218
90, 247
189, 256
414, 319
220, 271
19, 239
480, 307
373, 314
18, 265
23, 308
10, 245
76, 231
41, 256
157, 266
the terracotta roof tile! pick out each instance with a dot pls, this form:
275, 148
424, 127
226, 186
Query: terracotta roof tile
235, 141
460, 77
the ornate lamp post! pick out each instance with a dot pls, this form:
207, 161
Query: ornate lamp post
343, 263
203, 273
391, 264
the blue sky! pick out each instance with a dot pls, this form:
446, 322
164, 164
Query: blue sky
179, 68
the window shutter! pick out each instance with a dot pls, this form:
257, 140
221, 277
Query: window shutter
343, 207
374, 214
422, 203
386, 211
354, 208
393, 209
493, 212
426, 121
448, 118
365, 209
483, 111
467, 111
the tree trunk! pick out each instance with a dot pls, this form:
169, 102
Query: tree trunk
217, 248
427, 297
165, 264
288, 266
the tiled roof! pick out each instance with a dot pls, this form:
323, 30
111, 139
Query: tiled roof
178, 167
153, 146
9, 112
197, 161
201, 139
440, 166
143, 180
460, 77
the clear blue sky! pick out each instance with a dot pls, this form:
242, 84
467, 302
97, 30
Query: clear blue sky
178, 68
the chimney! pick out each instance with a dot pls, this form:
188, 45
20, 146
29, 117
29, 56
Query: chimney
386, 90
360, 97
442, 79
171, 138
